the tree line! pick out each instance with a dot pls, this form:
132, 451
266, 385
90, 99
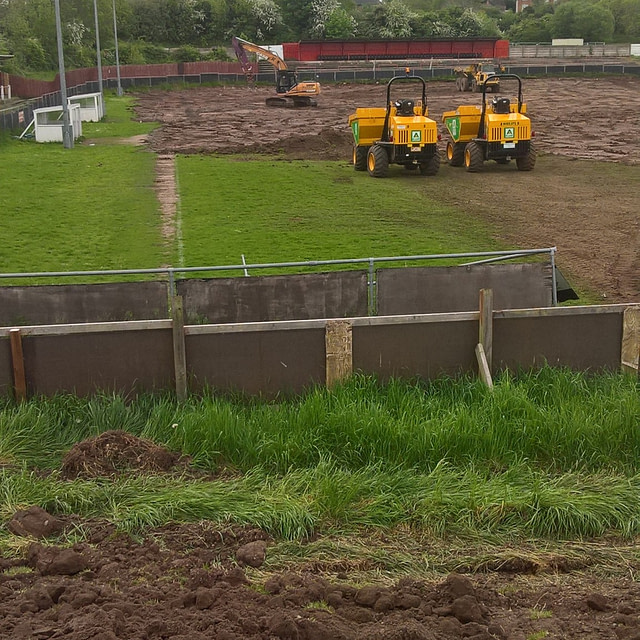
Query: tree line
151, 31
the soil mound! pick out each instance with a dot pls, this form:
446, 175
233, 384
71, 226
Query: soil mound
115, 452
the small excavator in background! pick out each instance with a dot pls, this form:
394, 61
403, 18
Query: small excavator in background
289, 91
473, 77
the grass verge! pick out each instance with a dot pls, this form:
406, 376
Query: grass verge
551, 455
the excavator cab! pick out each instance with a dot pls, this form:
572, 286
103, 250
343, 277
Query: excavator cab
285, 80
289, 92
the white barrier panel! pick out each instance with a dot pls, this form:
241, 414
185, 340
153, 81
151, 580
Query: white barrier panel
48, 123
91, 106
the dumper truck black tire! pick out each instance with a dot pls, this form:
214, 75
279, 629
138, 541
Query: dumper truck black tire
378, 162
455, 153
360, 158
473, 157
431, 168
526, 163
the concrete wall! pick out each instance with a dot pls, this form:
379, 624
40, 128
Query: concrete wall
336, 294
287, 297
61, 304
445, 289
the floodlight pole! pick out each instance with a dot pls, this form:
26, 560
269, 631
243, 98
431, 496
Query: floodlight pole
99, 53
115, 37
67, 131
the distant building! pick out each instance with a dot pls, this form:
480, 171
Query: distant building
523, 4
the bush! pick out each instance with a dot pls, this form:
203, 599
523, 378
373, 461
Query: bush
187, 53
218, 53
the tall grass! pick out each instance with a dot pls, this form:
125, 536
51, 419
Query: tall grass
547, 454
521, 503
551, 419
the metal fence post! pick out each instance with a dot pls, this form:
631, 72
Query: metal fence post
371, 286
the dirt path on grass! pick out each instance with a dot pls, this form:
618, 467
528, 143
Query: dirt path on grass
203, 581
590, 213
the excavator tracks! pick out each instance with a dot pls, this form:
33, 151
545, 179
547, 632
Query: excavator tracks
291, 102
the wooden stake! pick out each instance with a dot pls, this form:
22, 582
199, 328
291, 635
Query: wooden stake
179, 349
630, 349
485, 336
483, 366
17, 358
338, 351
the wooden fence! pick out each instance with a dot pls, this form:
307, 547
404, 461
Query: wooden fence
288, 357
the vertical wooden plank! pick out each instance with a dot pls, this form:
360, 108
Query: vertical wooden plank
630, 349
485, 337
483, 366
17, 359
338, 351
179, 349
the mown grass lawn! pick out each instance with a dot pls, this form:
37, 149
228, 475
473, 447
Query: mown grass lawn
93, 207
280, 211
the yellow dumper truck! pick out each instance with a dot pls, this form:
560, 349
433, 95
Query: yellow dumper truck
498, 130
402, 133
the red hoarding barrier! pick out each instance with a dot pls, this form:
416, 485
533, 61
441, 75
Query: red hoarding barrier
311, 50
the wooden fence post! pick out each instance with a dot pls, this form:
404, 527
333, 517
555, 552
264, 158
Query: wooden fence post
338, 351
17, 359
484, 348
179, 349
630, 349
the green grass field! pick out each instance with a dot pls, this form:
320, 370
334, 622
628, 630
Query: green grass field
93, 207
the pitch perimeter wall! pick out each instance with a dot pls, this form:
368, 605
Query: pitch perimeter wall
288, 357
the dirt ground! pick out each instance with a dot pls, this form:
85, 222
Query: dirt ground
201, 581
591, 216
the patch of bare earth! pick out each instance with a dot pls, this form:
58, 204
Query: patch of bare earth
167, 193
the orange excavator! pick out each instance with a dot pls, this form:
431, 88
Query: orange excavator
289, 91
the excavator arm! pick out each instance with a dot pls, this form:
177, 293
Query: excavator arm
290, 92
241, 47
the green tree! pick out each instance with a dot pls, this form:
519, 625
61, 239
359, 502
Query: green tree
254, 20
340, 24
298, 18
531, 29
580, 19
626, 14
389, 19
332, 20
29, 29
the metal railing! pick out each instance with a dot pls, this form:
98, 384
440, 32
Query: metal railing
171, 272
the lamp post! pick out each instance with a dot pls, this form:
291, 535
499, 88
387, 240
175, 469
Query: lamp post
100, 88
115, 37
67, 131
